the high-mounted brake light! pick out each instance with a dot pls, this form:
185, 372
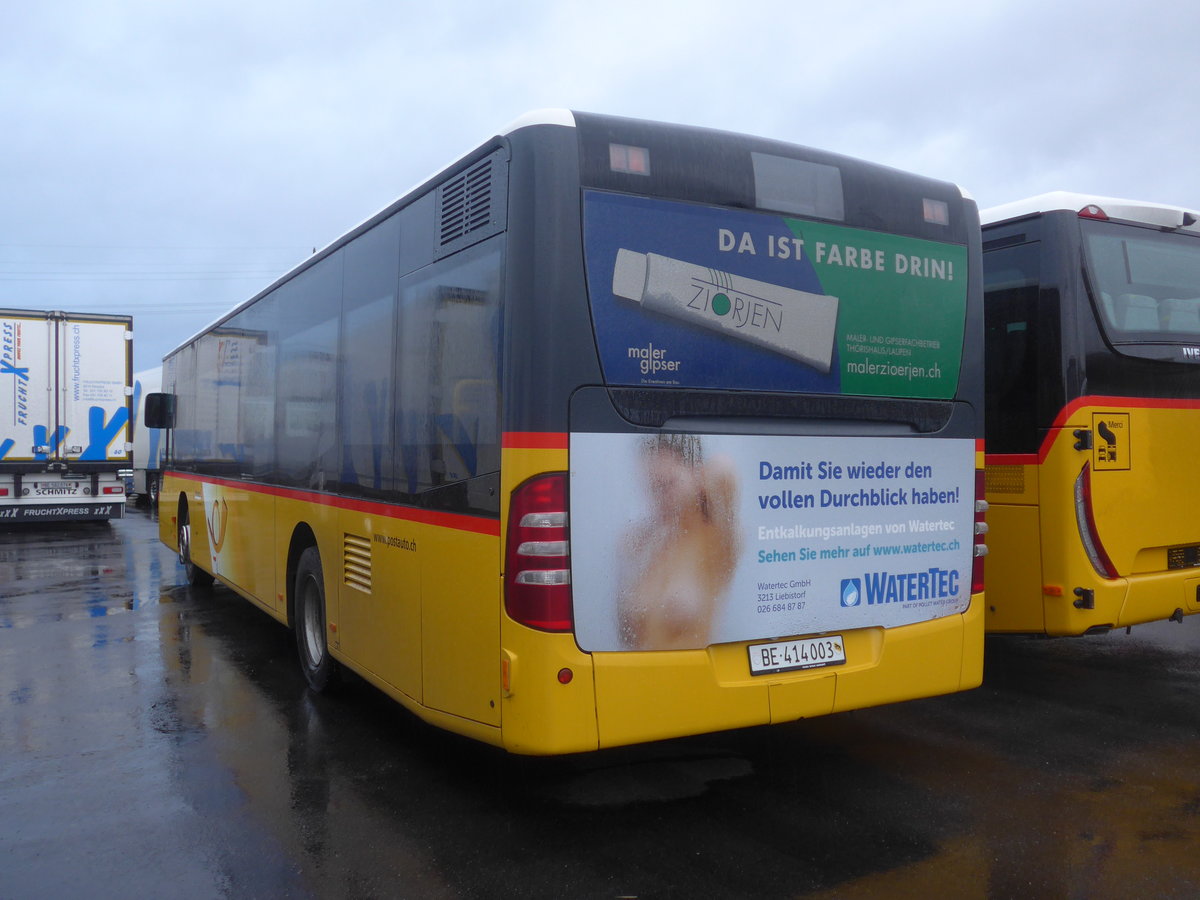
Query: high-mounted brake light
981, 529
1092, 211
537, 570
937, 212
630, 160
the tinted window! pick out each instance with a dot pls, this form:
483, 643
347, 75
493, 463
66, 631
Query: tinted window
1146, 283
368, 359
256, 399
1011, 285
184, 365
448, 380
309, 311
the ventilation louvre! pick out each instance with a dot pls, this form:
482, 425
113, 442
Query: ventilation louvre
356, 562
470, 205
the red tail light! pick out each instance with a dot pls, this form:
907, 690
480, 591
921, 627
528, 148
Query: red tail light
114, 490
1086, 520
980, 532
537, 556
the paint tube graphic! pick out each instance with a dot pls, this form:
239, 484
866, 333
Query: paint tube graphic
795, 323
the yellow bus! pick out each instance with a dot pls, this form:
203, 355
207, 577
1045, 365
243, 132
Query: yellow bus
610, 432
1093, 341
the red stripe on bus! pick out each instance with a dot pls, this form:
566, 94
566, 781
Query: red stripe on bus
1121, 402
1011, 459
1064, 414
535, 440
456, 521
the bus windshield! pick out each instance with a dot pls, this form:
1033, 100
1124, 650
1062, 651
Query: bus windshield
1147, 282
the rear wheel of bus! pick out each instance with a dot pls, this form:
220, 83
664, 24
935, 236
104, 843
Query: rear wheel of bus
320, 669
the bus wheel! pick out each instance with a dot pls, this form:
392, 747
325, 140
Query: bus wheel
320, 669
196, 576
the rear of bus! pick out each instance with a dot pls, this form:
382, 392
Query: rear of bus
742, 447
1093, 390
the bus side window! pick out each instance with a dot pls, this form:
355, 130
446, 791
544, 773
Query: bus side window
367, 388
448, 381
309, 307
1011, 286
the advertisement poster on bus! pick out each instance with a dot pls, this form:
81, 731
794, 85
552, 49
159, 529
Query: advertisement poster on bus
701, 297
718, 537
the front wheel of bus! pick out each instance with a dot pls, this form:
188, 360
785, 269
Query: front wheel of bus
196, 576
320, 669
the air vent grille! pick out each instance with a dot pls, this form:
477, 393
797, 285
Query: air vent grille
470, 205
466, 203
356, 562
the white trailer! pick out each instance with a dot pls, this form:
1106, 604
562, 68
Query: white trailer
66, 397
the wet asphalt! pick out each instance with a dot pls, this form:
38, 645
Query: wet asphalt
159, 741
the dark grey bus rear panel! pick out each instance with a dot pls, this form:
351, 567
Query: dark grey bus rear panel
718, 168
554, 173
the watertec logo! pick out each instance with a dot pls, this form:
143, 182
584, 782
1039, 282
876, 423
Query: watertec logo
904, 587
851, 592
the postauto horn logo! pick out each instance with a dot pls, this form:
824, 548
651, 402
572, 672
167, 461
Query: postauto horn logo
851, 591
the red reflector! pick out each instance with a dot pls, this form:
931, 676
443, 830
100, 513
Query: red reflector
3, 492
537, 555
1092, 211
565, 676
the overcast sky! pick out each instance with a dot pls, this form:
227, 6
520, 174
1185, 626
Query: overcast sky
169, 159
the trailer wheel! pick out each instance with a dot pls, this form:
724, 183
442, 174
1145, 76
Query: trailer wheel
320, 669
152, 489
196, 576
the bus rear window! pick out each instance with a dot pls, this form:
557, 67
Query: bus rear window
1146, 283
798, 186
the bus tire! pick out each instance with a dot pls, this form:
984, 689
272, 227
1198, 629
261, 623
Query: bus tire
196, 576
320, 669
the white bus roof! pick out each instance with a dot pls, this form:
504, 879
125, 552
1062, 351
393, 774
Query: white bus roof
1158, 214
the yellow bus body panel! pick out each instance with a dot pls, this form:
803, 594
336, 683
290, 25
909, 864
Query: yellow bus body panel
379, 608
541, 714
1013, 568
460, 622
651, 696
1144, 499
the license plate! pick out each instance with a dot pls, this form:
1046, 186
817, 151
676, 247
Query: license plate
55, 488
806, 653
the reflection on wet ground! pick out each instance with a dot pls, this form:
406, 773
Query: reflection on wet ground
157, 739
